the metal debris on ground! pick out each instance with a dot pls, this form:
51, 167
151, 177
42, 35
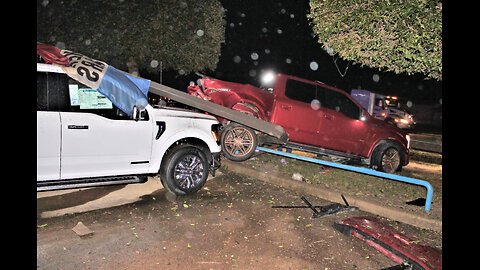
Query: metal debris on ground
408, 252
327, 210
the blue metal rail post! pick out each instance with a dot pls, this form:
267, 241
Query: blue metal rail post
427, 185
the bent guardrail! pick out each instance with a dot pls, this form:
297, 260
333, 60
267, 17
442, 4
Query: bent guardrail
427, 185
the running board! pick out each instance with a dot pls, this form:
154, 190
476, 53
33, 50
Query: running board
322, 151
90, 182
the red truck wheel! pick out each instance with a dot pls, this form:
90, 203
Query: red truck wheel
238, 142
387, 158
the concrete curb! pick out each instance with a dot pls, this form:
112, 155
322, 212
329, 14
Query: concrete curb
388, 212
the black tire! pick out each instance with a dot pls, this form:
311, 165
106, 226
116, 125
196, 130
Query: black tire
185, 170
387, 157
238, 142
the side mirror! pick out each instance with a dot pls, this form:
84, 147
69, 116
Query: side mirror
363, 117
136, 113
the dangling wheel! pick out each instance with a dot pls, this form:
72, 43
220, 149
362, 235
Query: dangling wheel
238, 142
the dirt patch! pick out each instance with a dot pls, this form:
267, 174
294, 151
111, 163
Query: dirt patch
227, 225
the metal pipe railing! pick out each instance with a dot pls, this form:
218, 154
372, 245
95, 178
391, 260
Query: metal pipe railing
427, 185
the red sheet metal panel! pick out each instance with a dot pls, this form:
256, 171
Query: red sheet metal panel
392, 243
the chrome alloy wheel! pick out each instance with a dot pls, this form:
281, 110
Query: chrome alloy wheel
390, 160
239, 141
189, 172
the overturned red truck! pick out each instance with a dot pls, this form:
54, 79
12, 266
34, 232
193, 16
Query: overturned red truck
318, 118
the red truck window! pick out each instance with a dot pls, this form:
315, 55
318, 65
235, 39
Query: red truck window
341, 103
300, 91
327, 98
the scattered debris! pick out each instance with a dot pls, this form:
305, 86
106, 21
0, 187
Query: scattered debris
400, 267
327, 210
298, 177
405, 251
82, 230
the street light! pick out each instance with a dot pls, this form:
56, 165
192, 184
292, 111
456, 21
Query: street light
268, 78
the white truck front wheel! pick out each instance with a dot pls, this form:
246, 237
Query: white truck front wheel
185, 170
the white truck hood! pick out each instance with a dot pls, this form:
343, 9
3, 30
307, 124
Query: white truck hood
184, 113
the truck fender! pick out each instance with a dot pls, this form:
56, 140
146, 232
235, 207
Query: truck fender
396, 142
201, 138
250, 108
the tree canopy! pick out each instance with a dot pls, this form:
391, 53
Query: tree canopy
404, 36
184, 35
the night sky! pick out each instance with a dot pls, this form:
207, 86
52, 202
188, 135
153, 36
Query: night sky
276, 35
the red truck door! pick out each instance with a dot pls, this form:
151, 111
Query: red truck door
341, 128
315, 115
293, 110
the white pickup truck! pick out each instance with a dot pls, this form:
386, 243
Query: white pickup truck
84, 140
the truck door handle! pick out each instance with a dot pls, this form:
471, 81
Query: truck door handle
328, 117
286, 107
77, 127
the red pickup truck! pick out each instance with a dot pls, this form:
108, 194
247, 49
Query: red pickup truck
318, 118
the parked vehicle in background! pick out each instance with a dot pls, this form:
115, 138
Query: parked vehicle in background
84, 140
396, 111
384, 108
372, 102
318, 118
